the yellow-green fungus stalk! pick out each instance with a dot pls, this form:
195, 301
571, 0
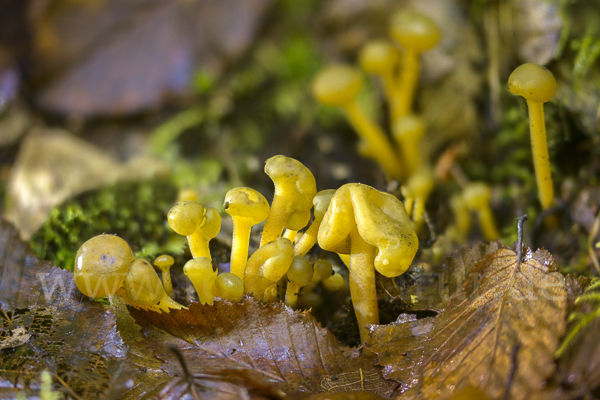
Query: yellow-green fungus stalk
185, 219
334, 283
200, 272
230, 287
101, 265
309, 238
247, 208
477, 198
462, 219
537, 85
417, 189
295, 188
380, 57
408, 132
338, 85
145, 290
199, 240
416, 33
299, 275
267, 265
164, 262
375, 230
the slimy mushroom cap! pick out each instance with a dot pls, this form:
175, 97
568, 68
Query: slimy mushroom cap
184, 218
532, 81
143, 285
246, 203
381, 221
101, 265
321, 203
378, 56
291, 177
337, 85
414, 31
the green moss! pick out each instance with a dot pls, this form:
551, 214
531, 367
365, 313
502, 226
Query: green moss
135, 211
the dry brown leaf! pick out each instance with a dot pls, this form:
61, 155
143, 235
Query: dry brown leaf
71, 336
108, 57
514, 310
287, 349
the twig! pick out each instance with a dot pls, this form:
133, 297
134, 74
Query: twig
520, 237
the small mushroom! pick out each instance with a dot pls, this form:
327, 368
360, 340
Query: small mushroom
417, 191
200, 239
334, 283
144, 288
185, 219
299, 275
295, 188
477, 198
295, 222
230, 287
537, 85
267, 265
375, 230
380, 57
408, 132
247, 208
309, 238
165, 262
416, 33
200, 271
338, 85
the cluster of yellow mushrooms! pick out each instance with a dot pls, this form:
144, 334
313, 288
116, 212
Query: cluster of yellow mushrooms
396, 63
369, 227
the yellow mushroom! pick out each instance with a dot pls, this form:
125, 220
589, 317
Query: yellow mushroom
295, 222
267, 265
101, 265
408, 132
417, 191
165, 262
185, 219
462, 219
477, 198
375, 230
200, 239
295, 188
200, 271
380, 57
247, 208
334, 283
537, 85
230, 287
105, 266
338, 85
144, 288
271, 293
309, 238
416, 33
299, 275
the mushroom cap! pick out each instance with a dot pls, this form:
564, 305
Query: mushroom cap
421, 183
409, 125
477, 195
230, 287
142, 284
278, 263
321, 203
532, 81
212, 223
334, 283
164, 261
293, 180
298, 220
300, 272
322, 269
245, 202
101, 265
414, 31
378, 56
337, 85
184, 218
381, 221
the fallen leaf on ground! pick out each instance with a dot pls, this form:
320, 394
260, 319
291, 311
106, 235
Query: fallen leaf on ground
69, 335
501, 336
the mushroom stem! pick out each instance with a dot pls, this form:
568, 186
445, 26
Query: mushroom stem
539, 148
409, 77
374, 143
362, 283
488, 226
291, 294
276, 220
239, 246
307, 240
